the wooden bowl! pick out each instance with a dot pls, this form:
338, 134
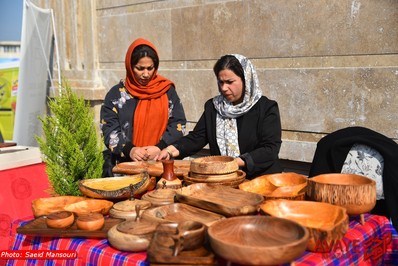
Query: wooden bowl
214, 165
189, 235
90, 222
89, 206
127, 209
288, 185
328, 223
239, 177
132, 235
115, 187
258, 240
60, 220
160, 196
45, 206
356, 193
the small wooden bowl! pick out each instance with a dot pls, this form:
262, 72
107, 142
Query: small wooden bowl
127, 209
258, 240
356, 193
132, 235
90, 206
90, 222
60, 220
324, 221
214, 165
160, 196
288, 185
44, 206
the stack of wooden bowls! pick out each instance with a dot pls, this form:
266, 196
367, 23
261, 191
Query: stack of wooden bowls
215, 170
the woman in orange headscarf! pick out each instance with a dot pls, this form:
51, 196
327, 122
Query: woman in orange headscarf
142, 114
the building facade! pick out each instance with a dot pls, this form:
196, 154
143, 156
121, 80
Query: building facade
329, 64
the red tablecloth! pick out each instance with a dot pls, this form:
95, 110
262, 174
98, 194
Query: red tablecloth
19, 186
374, 243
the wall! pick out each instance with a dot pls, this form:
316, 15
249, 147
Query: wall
329, 63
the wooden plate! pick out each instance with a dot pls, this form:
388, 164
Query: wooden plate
38, 227
328, 222
179, 212
220, 199
154, 168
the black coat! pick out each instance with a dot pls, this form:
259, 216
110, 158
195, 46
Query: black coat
259, 136
332, 151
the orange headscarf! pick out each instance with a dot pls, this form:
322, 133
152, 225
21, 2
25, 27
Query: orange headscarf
151, 114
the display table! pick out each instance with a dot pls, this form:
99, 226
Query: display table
374, 243
23, 179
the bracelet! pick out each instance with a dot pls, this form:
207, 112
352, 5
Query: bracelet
169, 152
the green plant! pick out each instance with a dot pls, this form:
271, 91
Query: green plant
70, 144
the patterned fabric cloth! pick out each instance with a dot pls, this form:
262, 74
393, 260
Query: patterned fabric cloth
366, 161
227, 131
374, 243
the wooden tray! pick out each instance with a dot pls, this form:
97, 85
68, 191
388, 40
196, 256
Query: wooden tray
38, 227
154, 168
221, 199
178, 212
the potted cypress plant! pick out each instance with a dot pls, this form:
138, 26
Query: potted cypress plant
70, 145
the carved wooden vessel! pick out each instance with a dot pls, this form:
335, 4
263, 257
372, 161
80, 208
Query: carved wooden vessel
116, 187
356, 193
214, 165
220, 199
286, 185
324, 221
258, 240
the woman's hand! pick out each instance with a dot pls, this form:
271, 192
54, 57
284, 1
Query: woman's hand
240, 162
139, 154
168, 153
153, 151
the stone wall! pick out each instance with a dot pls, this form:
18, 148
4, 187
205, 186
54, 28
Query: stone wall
328, 63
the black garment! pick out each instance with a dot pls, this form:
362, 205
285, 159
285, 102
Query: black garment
332, 151
259, 137
117, 122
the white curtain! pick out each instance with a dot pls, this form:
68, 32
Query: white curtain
33, 73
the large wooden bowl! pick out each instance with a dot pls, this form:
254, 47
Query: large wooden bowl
116, 187
214, 165
288, 185
324, 221
258, 240
356, 193
45, 206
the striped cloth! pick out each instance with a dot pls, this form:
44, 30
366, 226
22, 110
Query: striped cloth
374, 243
